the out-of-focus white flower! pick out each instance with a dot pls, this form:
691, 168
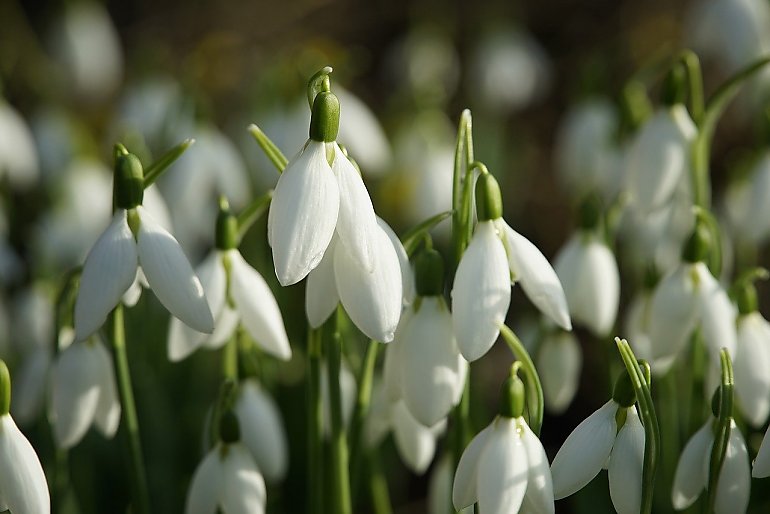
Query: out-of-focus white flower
87, 46
57, 136
746, 203
18, 155
440, 488
509, 70
589, 275
692, 472
262, 429
559, 360
23, 487
659, 158
761, 466
82, 392
752, 362
596, 443
362, 135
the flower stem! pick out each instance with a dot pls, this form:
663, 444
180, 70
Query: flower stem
271, 150
378, 485
359, 414
339, 446
315, 417
534, 387
463, 158
156, 169
722, 428
230, 359
130, 425
695, 82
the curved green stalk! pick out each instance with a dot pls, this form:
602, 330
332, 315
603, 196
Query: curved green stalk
640, 381
271, 150
156, 169
411, 240
252, 212
721, 428
695, 83
534, 387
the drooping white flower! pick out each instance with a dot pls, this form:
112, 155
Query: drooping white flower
589, 275
559, 360
83, 391
18, 155
659, 157
692, 472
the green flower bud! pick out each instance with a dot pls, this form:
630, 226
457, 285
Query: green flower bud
489, 200
698, 246
325, 120
5, 389
590, 213
429, 273
227, 227
512, 397
746, 298
674, 86
623, 393
229, 429
128, 180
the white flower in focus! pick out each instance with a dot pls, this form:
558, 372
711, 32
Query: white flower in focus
559, 360
659, 157
692, 472
83, 391
589, 275
18, 155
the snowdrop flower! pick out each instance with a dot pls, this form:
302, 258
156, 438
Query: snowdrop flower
18, 155
262, 429
496, 256
689, 297
589, 274
505, 468
596, 443
559, 360
23, 487
135, 239
440, 488
236, 293
424, 362
659, 157
692, 471
82, 392
227, 478
761, 466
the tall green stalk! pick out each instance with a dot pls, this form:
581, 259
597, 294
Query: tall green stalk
359, 415
315, 419
341, 503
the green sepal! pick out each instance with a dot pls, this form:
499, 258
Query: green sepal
325, 120
624, 394
128, 183
5, 389
512, 397
746, 298
429, 273
489, 200
229, 429
227, 227
675, 85
698, 245
590, 213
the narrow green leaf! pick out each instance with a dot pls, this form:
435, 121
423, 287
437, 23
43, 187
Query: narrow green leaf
157, 168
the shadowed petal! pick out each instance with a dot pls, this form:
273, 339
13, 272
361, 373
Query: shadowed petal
24, 488
107, 415
688, 479
416, 443
206, 486
321, 296
464, 492
243, 489
717, 313
407, 277
734, 484
559, 360
539, 496
752, 362
673, 312
625, 467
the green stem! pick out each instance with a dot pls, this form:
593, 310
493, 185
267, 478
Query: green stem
532, 380
639, 380
315, 419
130, 425
463, 158
341, 503
378, 485
230, 359
722, 427
253, 212
156, 169
411, 240
359, 414
271, 149
695, 82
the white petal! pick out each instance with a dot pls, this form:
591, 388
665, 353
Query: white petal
226, 324
107, 415
752, 362
673, 312
243, 488
74, 393
416, 443
321, 296
539, 496
538, 279
559, 360
356, 221
206, 486
761, 466
23, 484
717, 313
481, 293
626, 464
585, 451
257, 307
501, 479
109, 270
407, 277
170, 275
439, 487
431, 368
182, 339
393, 367
133, 293
262, 430
303, 214
372, 300
734, 484
688, 479
464, 492
589, 274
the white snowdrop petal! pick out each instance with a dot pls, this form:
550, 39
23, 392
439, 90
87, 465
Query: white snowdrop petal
464, 493
688, 478
109, 270
356, 220
501, 479
226, 324
717, 313
559, 360
243, 488
407, 277
303, 214
107, 415
133, 293
415, 442
439, 487
24, 486
734, 486
74, 393
372, 300
538, 279
431, 368
761, 466
257, 307
751, 363
625, 466
585, 451
206, 485
673, 312
481, 293
262, 430
393, 367
539, 496
321, 296
170, 275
